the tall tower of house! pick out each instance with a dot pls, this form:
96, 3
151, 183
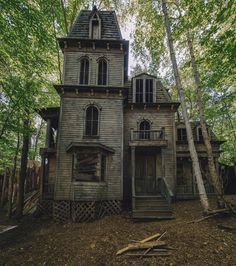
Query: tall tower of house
89, 163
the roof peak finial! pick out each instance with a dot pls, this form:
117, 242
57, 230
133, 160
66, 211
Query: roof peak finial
95, 8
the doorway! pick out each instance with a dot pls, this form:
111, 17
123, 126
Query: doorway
145, 175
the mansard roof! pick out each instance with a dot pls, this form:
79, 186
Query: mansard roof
109, 26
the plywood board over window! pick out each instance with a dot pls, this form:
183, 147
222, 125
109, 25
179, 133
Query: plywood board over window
89, 166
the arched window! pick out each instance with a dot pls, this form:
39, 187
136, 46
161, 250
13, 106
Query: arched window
91, 123
84, 71
144, 128
102, 72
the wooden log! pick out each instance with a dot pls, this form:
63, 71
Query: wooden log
138, 246
150, 238
148, 255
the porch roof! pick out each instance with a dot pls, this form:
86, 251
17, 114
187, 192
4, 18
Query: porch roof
90, 145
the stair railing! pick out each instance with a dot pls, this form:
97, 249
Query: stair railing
165, 190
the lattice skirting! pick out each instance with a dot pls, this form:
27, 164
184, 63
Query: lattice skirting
62, 210
84, 211
109, 207
45, 207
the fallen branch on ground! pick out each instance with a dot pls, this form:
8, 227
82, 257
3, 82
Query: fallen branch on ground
152, 246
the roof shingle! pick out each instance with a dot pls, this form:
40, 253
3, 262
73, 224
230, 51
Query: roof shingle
109, 26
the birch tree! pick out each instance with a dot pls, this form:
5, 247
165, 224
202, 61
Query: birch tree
192, 149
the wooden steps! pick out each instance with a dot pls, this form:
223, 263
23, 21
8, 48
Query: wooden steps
151, 207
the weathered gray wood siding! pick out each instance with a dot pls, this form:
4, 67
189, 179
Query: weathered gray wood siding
71, 129
159, 118
115, 61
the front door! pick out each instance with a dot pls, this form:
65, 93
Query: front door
145, 175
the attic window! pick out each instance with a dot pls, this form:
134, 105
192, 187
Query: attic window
144, 90
149, 91
139, 90
95, 27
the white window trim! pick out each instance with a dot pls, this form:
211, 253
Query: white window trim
144, 78
102, 58
89, 74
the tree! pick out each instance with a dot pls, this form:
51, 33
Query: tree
192, 149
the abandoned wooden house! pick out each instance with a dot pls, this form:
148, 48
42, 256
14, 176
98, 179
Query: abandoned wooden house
113, 142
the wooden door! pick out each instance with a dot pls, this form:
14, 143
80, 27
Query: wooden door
145, 175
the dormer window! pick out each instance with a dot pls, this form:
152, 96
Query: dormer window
95, 26
144, 89
139, 91
149, 90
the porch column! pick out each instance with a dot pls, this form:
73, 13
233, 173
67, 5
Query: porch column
48, 134
162, 164
42, 176
133, 174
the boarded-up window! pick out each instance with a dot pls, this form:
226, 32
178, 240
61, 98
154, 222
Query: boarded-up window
86, 167
139, 90
181, 134
102, 72
149, 90
91, 123
84, 71
89, 166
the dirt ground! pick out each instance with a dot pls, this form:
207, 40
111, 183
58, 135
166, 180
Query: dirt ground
43, 242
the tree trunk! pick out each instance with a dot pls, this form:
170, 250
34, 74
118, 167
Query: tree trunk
37, 139
192, 149
4, 184
64, 15
12, 178
206, 138
23, 170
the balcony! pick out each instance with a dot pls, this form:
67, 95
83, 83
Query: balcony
145, 138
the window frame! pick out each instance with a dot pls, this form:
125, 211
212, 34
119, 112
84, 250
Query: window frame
139, 95
85, 121
143, 134
95, 179
84, 58
145, 93
177, 133
99, 60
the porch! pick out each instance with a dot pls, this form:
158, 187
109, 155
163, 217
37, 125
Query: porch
151, 195
186, 184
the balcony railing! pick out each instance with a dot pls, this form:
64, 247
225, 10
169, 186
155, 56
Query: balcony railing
147, 135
